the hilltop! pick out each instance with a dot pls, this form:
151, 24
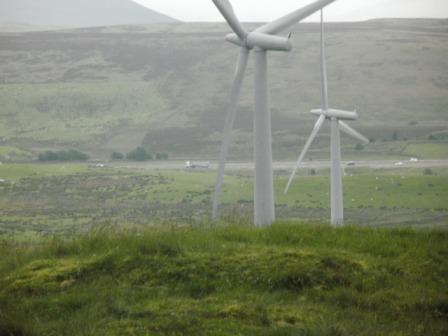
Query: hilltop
43, 14
289, 279
165, 87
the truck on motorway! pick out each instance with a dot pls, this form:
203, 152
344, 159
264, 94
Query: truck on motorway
197, 165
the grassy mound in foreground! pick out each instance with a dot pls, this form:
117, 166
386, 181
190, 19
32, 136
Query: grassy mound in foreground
289, 279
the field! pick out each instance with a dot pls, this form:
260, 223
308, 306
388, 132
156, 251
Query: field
429, 151
63, 199
290, 279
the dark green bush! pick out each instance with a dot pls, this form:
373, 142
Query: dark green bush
428, 171
359, 147
139, 154
117, 156
161, 156
395, 136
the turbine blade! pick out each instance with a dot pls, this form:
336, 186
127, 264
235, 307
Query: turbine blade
226, 9
350, 131
323, 64
310, 140
230, 120
289, 20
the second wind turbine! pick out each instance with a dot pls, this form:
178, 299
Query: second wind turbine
335, 117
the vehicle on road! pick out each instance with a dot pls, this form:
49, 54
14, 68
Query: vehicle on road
197, 165
351, 163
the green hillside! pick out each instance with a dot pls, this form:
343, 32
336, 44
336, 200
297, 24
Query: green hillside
166, 87
290, 279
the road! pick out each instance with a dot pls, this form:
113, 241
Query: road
284, 165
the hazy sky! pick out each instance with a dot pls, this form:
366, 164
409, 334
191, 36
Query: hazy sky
265, 10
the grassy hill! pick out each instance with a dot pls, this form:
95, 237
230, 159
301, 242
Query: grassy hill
166, 87
80, 13
290, 279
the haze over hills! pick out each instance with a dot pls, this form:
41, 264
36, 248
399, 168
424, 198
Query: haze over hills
166, 87
267, 10
75, 14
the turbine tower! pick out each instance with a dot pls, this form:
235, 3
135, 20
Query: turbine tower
335, 117
261, 40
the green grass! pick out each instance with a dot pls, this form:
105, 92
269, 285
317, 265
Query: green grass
66, 113
375, 190
428, 151
19, 171
290, 279
14, 153
382, 191
62, 199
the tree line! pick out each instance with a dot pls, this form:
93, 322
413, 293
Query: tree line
137, 154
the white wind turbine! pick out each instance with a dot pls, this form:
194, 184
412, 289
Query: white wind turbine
261, 40
336, 118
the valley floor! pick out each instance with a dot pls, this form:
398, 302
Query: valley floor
62, 199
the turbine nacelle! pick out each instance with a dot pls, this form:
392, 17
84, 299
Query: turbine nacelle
262, 41
335, 114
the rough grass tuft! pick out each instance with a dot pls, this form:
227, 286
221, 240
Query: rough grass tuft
289, 279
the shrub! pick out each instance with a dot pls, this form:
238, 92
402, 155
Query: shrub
428, 171
117, 156
161, 156
139, 154
48, 156
359, 147
395, 136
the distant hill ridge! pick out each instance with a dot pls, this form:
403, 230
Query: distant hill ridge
77, 14
165, 87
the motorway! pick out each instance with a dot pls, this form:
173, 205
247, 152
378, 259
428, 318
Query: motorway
285, 165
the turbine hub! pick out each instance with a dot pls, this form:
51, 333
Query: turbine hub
262, 41
336, 114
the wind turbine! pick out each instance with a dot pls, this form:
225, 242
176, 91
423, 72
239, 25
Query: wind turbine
261, 40
335, 117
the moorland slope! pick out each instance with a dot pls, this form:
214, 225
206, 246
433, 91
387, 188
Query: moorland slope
166, 87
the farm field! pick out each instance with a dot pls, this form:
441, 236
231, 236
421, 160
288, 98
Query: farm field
427, 150
39, 200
